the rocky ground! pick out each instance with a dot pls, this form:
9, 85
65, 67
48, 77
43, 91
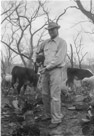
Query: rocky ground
74, 108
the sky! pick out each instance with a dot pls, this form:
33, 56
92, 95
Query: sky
70, 25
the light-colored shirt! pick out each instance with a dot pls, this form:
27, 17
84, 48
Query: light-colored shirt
55, 51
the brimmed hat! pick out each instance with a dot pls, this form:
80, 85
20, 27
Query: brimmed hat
52, 25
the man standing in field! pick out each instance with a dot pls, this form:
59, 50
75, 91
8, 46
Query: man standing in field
55, 51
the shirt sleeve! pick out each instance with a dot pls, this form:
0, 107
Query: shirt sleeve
59, 58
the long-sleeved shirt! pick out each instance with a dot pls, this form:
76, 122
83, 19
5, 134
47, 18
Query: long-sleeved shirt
55, 51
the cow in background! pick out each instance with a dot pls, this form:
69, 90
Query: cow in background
78, 74
24, 76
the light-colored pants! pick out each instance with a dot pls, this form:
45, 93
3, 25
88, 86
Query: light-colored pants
51, 93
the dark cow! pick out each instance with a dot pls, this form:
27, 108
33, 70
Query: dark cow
22, 75
78, 74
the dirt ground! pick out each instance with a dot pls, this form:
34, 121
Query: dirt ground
70, 126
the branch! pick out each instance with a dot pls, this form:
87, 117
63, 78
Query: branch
69, 57
90, 5
10, 13
79, 23
84, 11
15, 50
89, 32
36, 12
39, 28
20, 52
65, 12
6, 11
40, 38
83, 56
76, 37
46, 12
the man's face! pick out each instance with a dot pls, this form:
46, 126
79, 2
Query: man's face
53, 32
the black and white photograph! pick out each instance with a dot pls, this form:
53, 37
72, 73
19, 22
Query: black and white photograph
47, 67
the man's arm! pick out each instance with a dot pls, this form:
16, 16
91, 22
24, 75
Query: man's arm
60, 55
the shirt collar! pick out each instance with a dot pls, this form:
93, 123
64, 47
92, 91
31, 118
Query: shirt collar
55, 39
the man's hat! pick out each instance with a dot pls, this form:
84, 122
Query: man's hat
52, 25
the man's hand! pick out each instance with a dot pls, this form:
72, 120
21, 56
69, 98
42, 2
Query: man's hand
42, 70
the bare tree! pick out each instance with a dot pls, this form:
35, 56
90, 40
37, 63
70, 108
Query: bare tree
78, 47
20, 20
88, 13
70, 57
6, 61
18, 17
3, 66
